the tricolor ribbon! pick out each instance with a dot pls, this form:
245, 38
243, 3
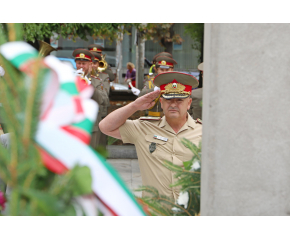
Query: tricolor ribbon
64, 130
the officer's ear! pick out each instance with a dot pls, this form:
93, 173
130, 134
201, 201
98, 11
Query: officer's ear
189, 103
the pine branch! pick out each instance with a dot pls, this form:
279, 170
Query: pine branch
148, 189
175, 205
191, 146
29, 105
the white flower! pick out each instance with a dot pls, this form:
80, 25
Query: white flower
183, 199
195, 166
175, 209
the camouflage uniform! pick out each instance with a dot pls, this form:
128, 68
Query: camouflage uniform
104, 109
101, 97
110, 73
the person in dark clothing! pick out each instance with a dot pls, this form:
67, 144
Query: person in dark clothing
151, 65
148, 62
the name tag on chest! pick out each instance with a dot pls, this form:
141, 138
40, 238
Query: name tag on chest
160, 138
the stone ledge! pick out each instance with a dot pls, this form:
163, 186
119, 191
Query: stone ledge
122, 151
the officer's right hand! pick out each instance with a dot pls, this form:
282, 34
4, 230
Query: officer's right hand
146, 101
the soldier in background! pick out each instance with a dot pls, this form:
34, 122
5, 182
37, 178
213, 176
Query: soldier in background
196, 105
99, 49
84, 59
163, 64
104, 78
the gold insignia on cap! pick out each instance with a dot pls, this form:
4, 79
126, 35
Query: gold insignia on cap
82, 55
95, 49
174, 88
163, 62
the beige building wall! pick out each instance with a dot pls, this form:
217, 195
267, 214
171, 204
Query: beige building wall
246, 112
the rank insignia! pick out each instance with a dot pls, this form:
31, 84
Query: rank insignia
152, 147
82, 55
198, 121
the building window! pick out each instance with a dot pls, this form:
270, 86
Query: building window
100, 42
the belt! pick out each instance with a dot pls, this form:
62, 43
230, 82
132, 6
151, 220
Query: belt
154, 114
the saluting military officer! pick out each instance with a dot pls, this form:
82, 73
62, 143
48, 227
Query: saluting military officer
163, 64
196, 95
160, 140
83, 59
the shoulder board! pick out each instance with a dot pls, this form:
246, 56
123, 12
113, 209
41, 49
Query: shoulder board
149, 118
198, 121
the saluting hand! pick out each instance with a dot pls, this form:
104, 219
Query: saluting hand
146, 101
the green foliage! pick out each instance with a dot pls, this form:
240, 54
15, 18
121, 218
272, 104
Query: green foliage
188, 179
158, 32
34, 189
159, 205
111, 140
40, 31
196, 32
102, 151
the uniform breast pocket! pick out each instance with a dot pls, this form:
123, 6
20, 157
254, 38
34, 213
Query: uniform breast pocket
156, 147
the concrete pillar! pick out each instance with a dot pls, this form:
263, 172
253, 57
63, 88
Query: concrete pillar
246, 112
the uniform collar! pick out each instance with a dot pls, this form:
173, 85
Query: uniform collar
189, 123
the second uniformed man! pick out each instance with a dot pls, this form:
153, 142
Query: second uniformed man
164, 63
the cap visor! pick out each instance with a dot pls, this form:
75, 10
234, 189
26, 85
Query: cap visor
166, 67
82, 59
173, 95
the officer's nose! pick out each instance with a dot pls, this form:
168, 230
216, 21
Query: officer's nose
173, 103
